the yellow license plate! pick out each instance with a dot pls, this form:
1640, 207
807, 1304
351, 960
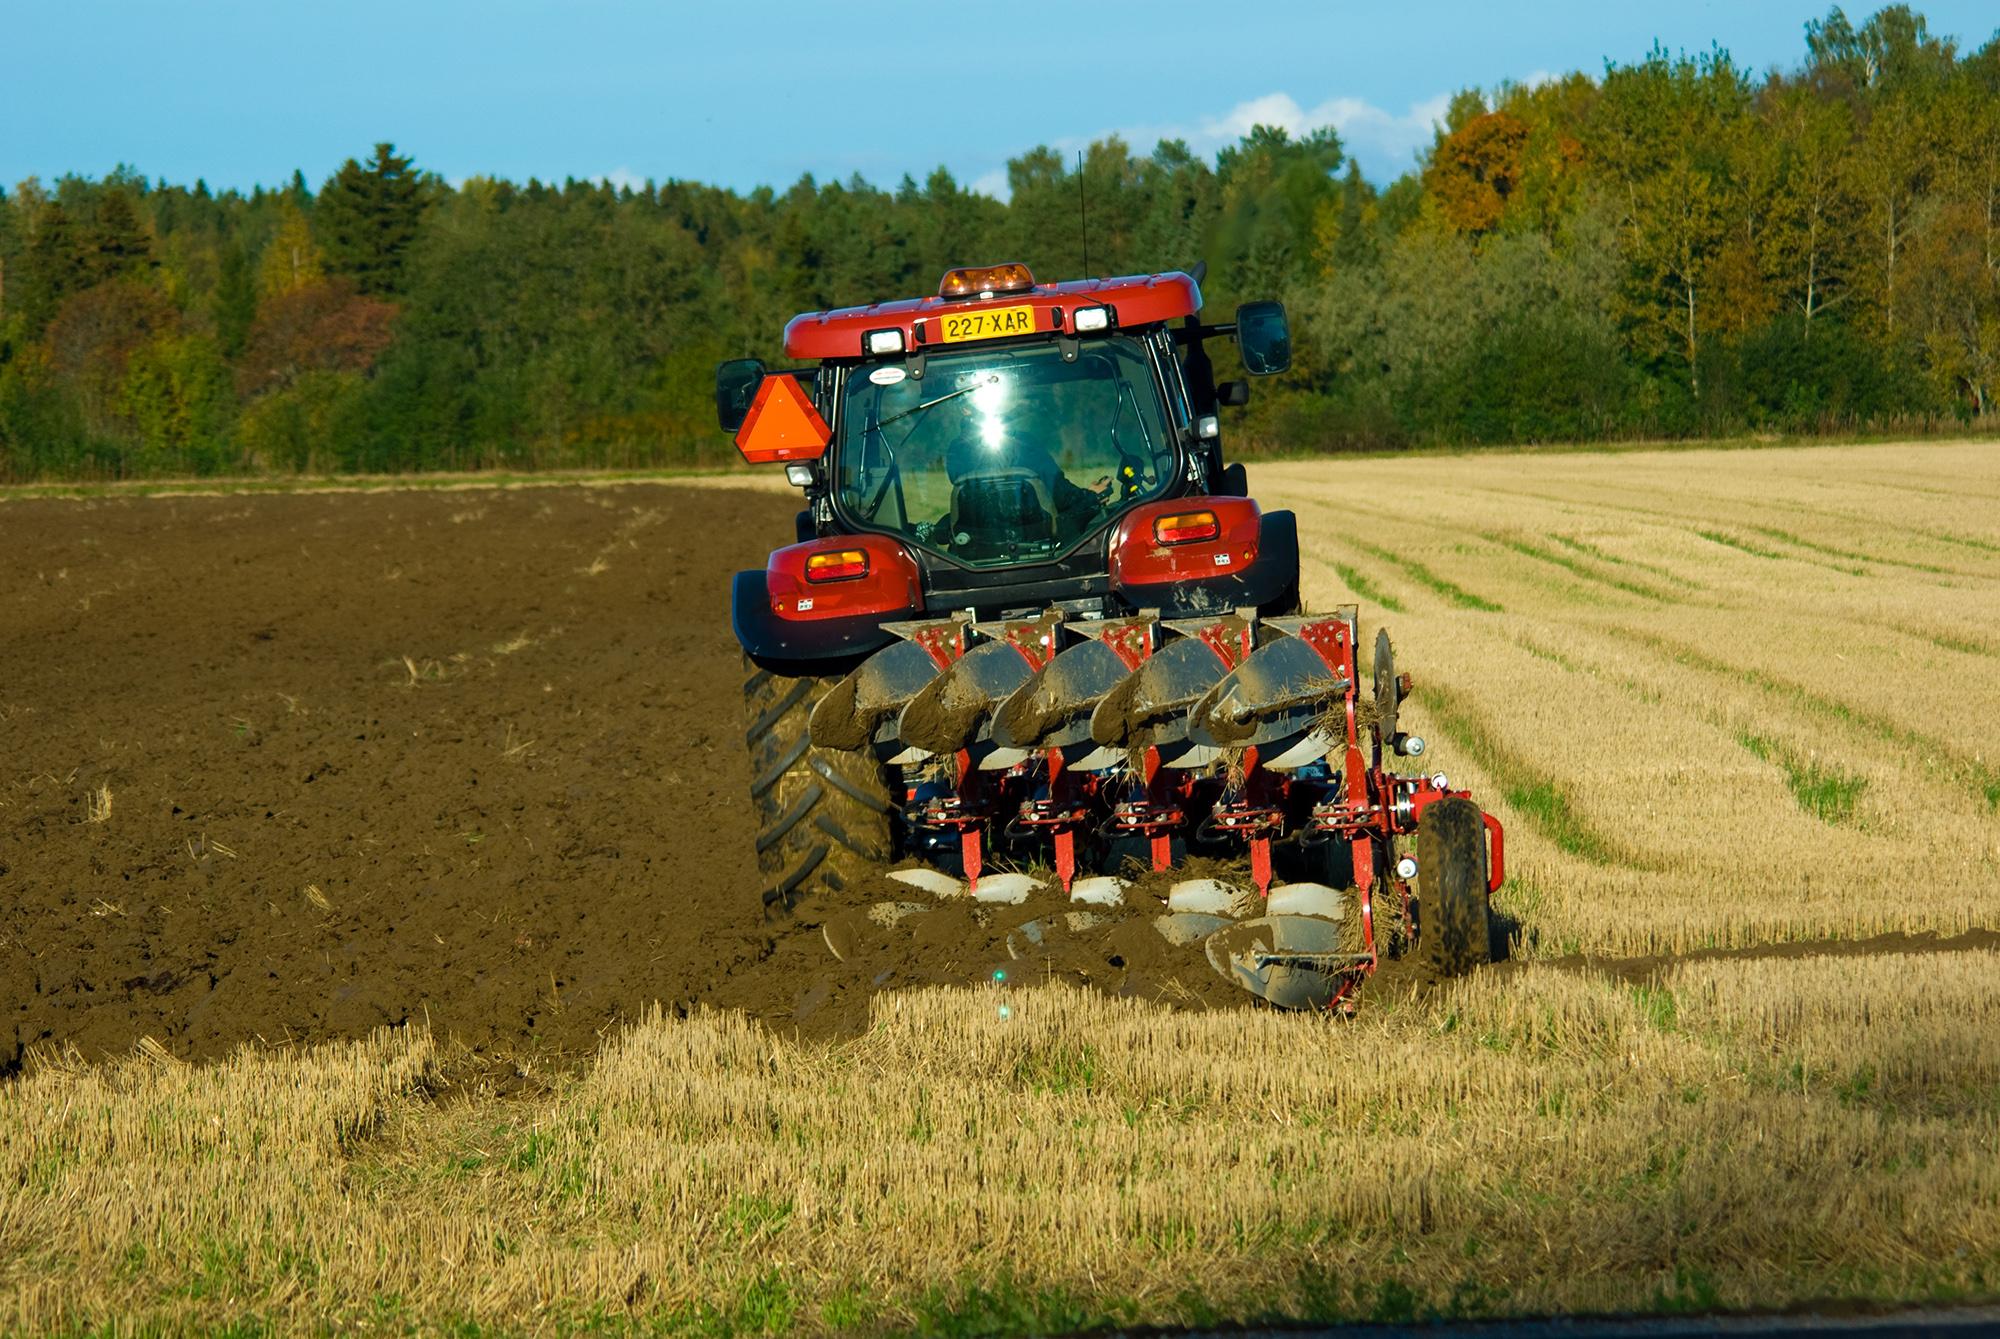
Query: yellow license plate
986, 323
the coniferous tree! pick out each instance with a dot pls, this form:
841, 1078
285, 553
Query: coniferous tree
368, 218
50, 267
115, 243
235, 304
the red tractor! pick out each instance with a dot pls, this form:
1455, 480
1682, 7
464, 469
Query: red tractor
1032, 619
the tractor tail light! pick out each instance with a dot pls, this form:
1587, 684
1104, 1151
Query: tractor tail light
839, 565
1183, 539
1187, 527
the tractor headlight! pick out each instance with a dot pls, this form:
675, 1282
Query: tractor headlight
798, 476
881, 342
1088, 320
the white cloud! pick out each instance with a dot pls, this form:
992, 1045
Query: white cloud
1385, 143
992, 183
623, 178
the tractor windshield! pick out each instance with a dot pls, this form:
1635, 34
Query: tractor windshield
1003, 455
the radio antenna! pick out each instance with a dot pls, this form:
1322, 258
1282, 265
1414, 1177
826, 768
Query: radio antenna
1083, 213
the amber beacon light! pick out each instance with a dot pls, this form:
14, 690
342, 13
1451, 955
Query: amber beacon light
982, 281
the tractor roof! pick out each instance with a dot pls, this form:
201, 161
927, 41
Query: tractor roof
1136, 299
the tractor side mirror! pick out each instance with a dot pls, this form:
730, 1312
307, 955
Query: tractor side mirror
736, 383
1264, 338
1235, 394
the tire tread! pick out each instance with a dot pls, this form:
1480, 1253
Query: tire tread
823, 816
1452, 912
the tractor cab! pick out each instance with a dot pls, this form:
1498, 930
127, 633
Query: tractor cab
1002, 424
1006, 454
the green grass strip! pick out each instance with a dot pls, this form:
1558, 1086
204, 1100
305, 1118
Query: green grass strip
1787, 537
1745, 546
1983, 778
1575, 568
1365, 588
1536, 797
1553, 657
1589, 550
1827, 793
1979, 544
1680, 518
1423, 576
1948, 641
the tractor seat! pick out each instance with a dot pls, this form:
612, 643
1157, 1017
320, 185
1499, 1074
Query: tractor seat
998, 509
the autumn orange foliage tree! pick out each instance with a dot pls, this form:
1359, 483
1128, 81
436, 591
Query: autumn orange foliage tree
321, 327
1475, 169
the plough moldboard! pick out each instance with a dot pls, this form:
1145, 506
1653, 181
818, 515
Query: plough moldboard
1099, 747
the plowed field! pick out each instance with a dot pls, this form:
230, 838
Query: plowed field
298, 766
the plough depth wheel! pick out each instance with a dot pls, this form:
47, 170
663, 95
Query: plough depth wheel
1452, 915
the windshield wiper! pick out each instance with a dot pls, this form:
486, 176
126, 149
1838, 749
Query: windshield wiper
993, 380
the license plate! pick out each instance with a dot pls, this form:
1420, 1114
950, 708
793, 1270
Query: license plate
986, 323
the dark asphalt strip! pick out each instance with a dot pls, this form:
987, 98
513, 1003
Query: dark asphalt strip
1950, 1323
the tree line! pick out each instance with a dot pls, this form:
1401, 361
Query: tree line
1674, 247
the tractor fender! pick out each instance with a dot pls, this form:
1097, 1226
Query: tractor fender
1270, 583
819, 646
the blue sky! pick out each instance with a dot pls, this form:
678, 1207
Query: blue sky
241, 92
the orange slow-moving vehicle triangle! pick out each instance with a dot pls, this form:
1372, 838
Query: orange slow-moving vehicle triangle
782, 424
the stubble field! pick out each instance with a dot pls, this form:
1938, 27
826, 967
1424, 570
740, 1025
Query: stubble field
461, 767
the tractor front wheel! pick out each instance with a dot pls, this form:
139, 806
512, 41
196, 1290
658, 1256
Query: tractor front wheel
1451, 886
823, 816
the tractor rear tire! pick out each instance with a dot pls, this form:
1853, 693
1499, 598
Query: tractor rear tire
1452, 907
823, 815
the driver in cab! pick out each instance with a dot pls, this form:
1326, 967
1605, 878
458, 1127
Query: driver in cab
987, 445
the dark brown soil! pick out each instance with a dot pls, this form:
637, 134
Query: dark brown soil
473, 757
